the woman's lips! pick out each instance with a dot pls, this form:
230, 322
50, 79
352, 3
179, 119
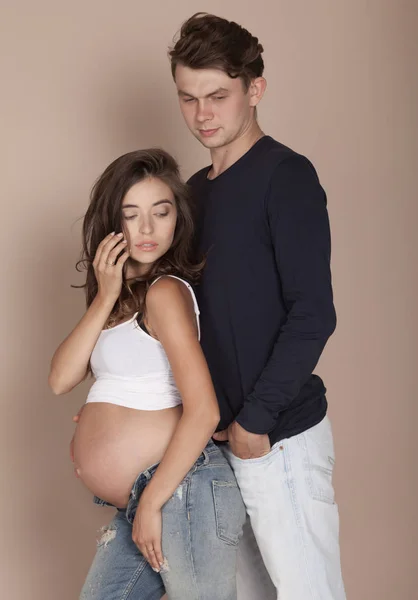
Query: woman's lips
146, 246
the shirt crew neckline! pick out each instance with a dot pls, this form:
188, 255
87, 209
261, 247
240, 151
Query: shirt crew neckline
237, 163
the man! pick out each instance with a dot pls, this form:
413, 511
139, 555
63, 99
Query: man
266, 312
266, 307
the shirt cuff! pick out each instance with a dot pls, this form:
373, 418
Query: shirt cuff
255, 417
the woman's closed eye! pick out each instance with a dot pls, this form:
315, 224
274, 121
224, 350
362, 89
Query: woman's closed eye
131, 217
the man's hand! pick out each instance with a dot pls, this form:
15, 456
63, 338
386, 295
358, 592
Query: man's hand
78, 415
244, 444
76, 420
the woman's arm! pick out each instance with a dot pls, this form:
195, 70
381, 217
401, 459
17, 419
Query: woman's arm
170, 313
71, 359
70, 362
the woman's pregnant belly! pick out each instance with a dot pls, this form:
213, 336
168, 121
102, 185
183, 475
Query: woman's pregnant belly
113, 444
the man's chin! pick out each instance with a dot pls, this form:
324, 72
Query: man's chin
210, 143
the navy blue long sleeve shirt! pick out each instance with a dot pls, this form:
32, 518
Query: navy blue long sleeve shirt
265, 297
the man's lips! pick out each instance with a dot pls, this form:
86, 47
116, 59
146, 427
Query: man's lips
208, 132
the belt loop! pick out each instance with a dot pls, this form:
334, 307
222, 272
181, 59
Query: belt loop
147, 474
206, 457
130, 509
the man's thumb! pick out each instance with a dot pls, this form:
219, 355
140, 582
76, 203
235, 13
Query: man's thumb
221, 436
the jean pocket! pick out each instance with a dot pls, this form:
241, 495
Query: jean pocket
319, 461
254, 461
229, 511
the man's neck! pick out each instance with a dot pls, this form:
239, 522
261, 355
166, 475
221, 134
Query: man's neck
225, 157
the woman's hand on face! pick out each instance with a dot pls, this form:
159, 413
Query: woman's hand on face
108, 267
146, 534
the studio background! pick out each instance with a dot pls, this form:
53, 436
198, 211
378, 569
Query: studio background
84, 82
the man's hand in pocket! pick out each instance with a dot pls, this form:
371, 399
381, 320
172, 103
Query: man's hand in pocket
243, 443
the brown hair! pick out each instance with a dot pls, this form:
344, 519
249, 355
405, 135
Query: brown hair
210, 42
104, 215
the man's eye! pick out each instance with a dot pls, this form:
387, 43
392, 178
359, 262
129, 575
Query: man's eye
220, 97
188, 100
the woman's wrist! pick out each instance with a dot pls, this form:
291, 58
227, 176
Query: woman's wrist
150, 500
104, 303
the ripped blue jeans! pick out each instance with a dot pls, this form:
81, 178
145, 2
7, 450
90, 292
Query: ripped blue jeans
202, 524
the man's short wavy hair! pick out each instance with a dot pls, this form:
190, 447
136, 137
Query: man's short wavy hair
210, 42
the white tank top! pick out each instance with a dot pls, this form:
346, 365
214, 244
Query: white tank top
131, 367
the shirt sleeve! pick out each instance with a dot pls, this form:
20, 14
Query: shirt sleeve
300, 235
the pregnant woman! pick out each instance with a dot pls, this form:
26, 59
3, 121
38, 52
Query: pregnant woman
143, 442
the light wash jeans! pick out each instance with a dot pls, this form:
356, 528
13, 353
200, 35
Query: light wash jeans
289, 498
202, 525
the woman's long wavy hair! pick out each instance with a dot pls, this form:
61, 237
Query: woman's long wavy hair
104, 215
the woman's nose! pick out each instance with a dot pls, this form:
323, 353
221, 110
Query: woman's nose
145, 227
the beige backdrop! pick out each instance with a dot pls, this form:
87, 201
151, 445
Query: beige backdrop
83, 82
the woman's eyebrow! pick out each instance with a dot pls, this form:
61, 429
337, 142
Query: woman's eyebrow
163, 202
154, 204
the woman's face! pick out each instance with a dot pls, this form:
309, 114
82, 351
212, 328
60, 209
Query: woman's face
149, 217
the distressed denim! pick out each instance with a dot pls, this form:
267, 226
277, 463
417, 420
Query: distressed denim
202, 525
290, 501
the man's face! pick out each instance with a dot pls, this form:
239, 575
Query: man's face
216, 108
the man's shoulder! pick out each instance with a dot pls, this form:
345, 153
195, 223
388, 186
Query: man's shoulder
276, 152
266, 156
281, 159
197, 177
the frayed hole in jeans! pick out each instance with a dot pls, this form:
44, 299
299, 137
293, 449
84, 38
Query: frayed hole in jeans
108, 533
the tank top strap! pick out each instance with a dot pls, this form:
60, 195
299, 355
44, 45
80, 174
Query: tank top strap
193, 295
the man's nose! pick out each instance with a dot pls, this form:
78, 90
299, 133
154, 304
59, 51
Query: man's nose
204, 111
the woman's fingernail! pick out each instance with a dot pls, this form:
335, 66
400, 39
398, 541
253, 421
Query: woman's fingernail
156, 570
120, 234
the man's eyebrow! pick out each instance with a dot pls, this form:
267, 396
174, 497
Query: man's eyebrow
154, 204
220, 90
